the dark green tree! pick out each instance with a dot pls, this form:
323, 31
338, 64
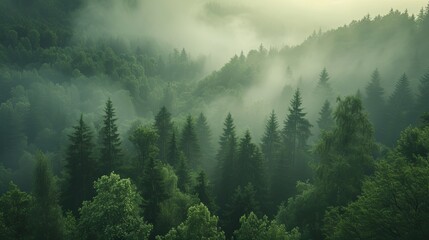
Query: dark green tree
203, 134
226, 157
153, 188
375, 104
80, 167
325, 121
183, 174
189, 143
271, 142
15, 207
173, 156
110, 149
423, 95
164, 127
202, 191
296, 129
47, 220
399, 108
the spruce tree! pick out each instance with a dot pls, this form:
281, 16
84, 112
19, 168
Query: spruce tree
202, 191
323, 89
423, 95
173, 152
189, 143
375, 105
110, 149
271, 142
325, 121
203, 133
164, 127
400, 107
80, 167
296, 129
47, 221
183, 176
226, 157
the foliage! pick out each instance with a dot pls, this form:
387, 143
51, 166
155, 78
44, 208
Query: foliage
114, 212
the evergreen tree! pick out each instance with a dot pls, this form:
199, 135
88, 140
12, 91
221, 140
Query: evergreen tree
226, 162
173, 152
250, 164
80, 167
325, 121
346, 153
189, 143
423, 95
153, 188
47, 221
164, 127
400, 107
375, 105
110, 149
201, 189
183, 176
203, 134
271, 142
296, 129
324, 89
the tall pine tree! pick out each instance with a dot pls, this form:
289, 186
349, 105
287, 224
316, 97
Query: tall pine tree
271, 142
189, 143
202, 191
80, 167
173, 152
203, 133
375, 105
325, 121
423, 95
47, 222
164, 127
110, 149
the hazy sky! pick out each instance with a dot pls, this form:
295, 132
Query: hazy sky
221, 28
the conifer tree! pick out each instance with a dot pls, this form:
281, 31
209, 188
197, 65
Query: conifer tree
400, 107
203, 134
189, 143
271, 142
375, 105
324, 89
325, 121
80, 167
47, 221
296, 129
226, 162
110, 149
153, 188
164, 127
173, 152
423, 95
183, 176
201, 189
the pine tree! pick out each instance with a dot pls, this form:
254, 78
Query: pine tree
183, 176
226, 157
325, 121
203, 133
271, 142
189, 143
201, 189
375, 105
296, 129
164, 127
173, 152
47, 219
250, 164
400, 107
80, 167
423, 95
324, 89
153, 188
110, 150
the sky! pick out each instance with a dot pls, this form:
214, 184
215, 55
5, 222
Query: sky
221, 28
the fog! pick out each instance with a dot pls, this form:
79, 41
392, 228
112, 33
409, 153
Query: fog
220, 29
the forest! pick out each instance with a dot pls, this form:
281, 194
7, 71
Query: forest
106, 136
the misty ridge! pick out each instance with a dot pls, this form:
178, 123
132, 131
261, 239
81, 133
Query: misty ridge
138, 119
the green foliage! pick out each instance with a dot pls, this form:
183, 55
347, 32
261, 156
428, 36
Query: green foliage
203, 134
183, 175
15, 209
164, 126
202, 191
325, 121
423, 94
200, 224
110, 150
189, 143
251, 227
375, 104
174, 154
46, 216
114, 212
80, 167
394, 203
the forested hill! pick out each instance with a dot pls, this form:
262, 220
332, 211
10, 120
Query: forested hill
105, 136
